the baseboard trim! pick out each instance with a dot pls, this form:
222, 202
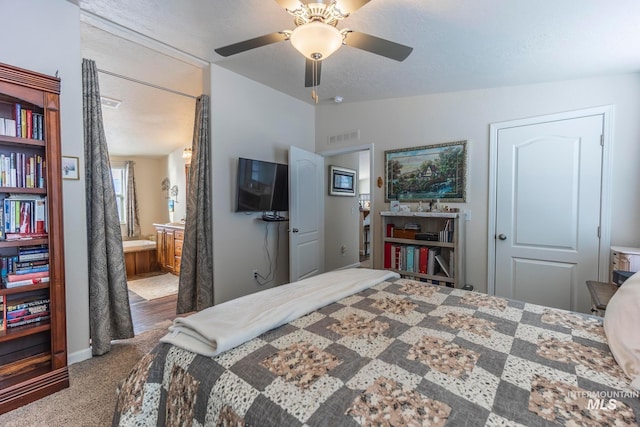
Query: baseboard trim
79, 356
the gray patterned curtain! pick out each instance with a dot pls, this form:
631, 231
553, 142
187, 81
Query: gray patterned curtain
195, 291
131, 203
109, 311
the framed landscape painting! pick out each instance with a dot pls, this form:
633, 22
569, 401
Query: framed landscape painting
426, 173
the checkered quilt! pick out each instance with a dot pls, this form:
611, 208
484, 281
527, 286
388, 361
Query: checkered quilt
402, 353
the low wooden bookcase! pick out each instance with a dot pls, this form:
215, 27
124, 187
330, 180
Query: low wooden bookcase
406, 250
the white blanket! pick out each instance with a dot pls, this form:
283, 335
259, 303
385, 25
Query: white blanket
227, 325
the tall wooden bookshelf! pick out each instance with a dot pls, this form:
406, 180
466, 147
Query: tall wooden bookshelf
411, 238
33, 347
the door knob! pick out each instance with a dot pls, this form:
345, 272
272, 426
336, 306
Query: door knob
502, 237
294, 230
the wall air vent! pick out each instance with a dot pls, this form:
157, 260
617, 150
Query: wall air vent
349, 136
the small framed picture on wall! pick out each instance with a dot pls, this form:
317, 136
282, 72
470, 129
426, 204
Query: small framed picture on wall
343, 181
70, 167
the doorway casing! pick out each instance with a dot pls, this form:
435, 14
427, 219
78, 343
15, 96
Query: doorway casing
355, 149
605, 200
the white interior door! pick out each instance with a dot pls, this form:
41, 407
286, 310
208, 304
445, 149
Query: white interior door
548, 190
306, 214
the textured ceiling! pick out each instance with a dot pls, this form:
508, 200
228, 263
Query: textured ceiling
458, 44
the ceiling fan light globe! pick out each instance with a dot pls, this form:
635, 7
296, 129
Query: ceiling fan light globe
316, 38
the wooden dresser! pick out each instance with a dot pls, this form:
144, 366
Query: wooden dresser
169, 239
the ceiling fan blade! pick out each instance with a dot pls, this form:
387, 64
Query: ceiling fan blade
379, 46
289, 4
309, 74
232, 49
349, 6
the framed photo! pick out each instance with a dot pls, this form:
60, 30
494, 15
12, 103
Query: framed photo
425, 173
70, 167
342, 181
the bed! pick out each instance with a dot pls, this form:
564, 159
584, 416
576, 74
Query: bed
388, 351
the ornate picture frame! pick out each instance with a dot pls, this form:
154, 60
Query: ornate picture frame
426, 173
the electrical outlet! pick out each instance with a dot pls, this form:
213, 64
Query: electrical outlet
254, 274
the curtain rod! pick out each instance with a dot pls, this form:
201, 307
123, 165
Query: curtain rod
120, 76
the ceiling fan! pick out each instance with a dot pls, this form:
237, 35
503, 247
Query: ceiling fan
316, 36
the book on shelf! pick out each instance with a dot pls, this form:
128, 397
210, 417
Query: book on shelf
17, 115
21, 313
26, 282
30, 264
13, 277
25, 236
387, 255
28, 303
409, 252
431, 262
33, 257
390, 228
424, 256
30, 319
9, 127
444, 266
35, 269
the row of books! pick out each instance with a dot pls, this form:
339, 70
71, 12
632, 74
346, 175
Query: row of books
446, 234
22, 171
29, 267
24, 123
14, 314
23, 217
9, 265
418, 259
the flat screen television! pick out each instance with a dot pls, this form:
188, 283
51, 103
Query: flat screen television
262, 186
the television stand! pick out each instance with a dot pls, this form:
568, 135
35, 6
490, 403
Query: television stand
271, 217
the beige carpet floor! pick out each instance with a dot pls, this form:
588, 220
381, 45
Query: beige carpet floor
91, 398
155, 286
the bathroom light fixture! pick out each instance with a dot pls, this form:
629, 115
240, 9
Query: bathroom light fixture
186, 153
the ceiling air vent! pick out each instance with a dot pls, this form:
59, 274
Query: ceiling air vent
110, 102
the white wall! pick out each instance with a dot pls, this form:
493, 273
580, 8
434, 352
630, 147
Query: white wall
422, 120
177, 176
253, 121
342, 219
44, 36
152, 204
